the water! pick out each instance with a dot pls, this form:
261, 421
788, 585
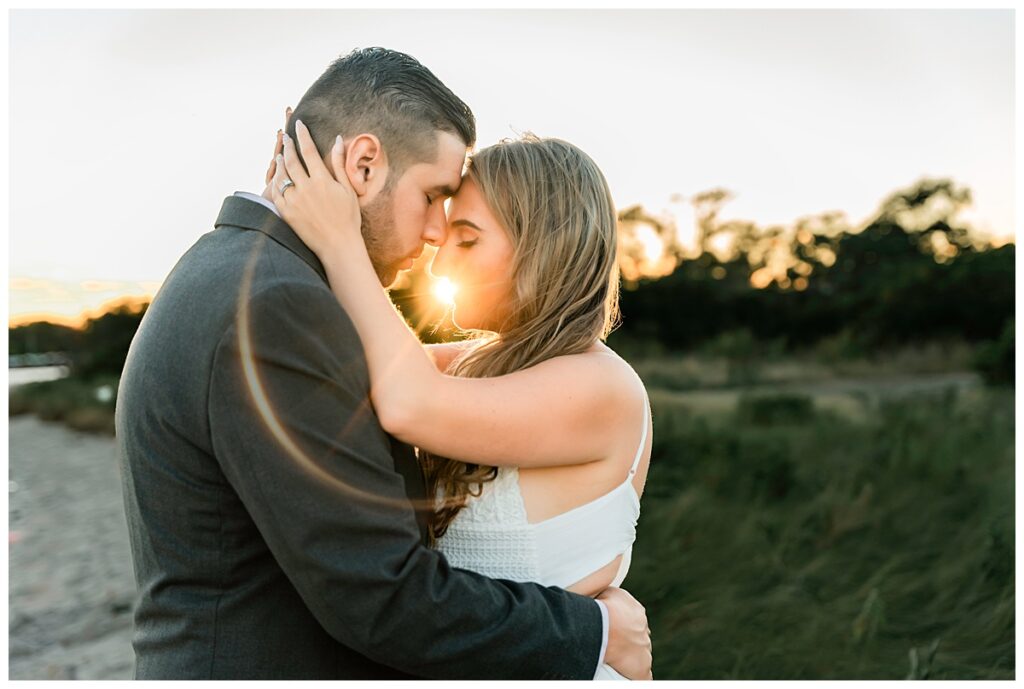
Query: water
34, 374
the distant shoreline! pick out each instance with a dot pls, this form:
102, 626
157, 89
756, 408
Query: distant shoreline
23, 375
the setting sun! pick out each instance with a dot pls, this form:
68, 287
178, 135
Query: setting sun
444, 291
652, 245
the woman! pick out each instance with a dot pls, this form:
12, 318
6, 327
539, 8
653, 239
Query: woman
534, 435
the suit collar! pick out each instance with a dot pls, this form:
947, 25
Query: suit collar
249, 215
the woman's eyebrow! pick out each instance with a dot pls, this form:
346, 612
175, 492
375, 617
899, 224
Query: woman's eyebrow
461, 222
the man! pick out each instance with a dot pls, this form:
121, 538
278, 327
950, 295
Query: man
272, 530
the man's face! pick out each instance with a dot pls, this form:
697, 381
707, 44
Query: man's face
409, 211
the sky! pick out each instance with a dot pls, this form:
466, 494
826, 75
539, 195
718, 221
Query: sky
129, 127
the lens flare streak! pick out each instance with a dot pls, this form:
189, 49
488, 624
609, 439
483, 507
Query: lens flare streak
269, 416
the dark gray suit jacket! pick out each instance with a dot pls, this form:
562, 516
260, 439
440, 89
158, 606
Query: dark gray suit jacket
242, 415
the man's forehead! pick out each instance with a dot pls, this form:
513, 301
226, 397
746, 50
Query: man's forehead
444, 174
438, 174
449, 168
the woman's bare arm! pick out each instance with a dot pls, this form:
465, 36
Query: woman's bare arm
565, 410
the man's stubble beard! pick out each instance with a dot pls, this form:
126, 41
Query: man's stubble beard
382, 244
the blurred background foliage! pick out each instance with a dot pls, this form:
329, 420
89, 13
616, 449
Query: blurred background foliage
831, 488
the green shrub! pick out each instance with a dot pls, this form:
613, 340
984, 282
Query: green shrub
87, 405
995, 360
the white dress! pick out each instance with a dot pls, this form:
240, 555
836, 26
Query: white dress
492, 536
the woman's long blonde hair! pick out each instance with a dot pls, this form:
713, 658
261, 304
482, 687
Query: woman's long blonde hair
555, 205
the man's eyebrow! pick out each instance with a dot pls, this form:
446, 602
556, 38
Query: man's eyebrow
461, 222
444, 190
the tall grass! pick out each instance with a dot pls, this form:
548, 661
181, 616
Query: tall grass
798, 544
785, 537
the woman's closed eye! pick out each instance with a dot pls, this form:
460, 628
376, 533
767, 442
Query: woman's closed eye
466, 244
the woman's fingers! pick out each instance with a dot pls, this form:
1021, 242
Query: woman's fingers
278, 146
275, 184
338, 164
280, 132
272, 168
310, 154
292, 164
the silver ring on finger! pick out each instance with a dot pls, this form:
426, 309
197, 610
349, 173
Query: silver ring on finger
284, 186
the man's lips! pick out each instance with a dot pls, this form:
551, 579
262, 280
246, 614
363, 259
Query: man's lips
409, 260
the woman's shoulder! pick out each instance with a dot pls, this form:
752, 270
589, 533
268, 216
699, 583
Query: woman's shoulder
600, 367
613, 362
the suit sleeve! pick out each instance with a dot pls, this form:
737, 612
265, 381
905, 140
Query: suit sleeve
294, 432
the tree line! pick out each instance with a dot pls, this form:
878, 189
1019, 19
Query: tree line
912, 273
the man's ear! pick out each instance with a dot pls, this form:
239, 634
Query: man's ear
366, 165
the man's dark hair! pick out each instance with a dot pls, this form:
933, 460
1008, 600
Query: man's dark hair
388, 94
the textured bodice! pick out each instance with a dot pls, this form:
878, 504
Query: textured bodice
491, 535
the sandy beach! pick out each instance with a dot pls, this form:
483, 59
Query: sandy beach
71, 587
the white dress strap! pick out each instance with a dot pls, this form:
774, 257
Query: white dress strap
643, 438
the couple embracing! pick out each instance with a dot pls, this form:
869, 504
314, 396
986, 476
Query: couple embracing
311, 492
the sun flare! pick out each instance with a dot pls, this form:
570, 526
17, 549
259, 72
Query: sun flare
444, 291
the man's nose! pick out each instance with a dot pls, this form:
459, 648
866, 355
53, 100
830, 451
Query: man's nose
435, 232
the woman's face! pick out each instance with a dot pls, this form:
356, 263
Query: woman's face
477, 257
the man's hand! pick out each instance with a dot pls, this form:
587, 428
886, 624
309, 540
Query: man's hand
629, 637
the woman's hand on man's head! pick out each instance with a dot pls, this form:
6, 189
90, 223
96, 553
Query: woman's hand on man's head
322, 210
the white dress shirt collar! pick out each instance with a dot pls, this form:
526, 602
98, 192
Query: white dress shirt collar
260, 200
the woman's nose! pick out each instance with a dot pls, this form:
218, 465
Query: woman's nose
443, 262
